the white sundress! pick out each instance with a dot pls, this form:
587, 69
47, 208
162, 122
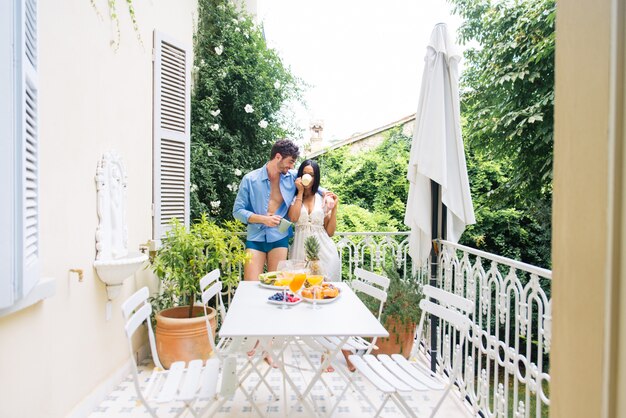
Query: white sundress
313, 224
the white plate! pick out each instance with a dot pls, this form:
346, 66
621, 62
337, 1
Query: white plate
280, 302
323, 301
271, 286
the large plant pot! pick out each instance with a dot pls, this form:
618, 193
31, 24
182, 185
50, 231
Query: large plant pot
181, 338
400, 341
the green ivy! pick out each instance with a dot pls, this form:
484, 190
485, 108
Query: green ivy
237, 107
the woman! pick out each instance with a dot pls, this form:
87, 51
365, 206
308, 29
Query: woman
314, 215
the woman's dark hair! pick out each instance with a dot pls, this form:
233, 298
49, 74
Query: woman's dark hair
286, 148
316, 173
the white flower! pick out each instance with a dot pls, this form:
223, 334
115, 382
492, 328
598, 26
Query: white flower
237, 30
202, 62
242, 19
193, 187
235, 21
264, 142
248, 108
246, 35
237, 172
215, 112
219, 49
230, 187
216, 204
195, 68
209, 153
277, 84
222, 73
263, 123
214, 127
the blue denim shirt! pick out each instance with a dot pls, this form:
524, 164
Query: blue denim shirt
253, 197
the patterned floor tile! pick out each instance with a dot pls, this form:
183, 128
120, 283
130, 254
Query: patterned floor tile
123, 400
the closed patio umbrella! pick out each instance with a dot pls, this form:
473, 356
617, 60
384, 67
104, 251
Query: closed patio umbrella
437, 153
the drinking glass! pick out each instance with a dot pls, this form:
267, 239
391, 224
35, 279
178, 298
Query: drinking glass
315, 281
297, 282
288, 277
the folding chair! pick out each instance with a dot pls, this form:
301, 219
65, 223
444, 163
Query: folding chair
396, 375
185, 383
371, 284
227, 349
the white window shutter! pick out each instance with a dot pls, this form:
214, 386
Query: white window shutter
171, 132
20, 186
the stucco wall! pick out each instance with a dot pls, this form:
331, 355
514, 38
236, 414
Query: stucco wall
580, 207
92, 99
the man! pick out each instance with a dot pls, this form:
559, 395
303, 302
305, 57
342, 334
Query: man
263, 200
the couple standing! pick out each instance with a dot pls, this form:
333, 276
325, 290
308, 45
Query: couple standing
276, 191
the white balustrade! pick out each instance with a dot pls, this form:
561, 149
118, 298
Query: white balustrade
509, 343
505, 354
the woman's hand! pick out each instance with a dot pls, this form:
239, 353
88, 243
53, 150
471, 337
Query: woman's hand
299, 185
331, 200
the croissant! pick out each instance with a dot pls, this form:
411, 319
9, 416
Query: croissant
330, 292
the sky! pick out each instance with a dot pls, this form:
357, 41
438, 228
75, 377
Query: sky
362, 59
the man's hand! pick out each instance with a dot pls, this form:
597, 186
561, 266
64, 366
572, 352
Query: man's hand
271, 220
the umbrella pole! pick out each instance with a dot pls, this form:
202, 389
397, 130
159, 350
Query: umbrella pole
434, 321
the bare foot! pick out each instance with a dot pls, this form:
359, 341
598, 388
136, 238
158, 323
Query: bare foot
269, 361
346, 354
329, 369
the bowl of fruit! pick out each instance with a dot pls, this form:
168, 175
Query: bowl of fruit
291, 299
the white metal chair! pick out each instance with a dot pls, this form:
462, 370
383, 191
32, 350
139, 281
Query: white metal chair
396, 375
183, 382
227, 349
373, 285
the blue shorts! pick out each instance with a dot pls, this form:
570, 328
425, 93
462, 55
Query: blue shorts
266, 247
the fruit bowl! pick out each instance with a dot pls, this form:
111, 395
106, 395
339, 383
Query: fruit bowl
277, 299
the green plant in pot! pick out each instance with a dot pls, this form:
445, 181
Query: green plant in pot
186, 255
400, 315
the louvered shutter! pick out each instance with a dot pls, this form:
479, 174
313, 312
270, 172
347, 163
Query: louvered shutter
171, 132
22, 273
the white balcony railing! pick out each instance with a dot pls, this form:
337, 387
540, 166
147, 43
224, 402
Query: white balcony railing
505, 357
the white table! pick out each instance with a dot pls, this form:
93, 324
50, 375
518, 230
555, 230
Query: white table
250, 315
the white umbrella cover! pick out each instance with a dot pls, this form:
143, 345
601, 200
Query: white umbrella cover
437, 151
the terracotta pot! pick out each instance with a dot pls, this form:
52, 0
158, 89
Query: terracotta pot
400, 341
181, 338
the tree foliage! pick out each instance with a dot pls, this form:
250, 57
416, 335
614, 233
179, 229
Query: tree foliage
373, 189
240, 86
374, 181
508, 87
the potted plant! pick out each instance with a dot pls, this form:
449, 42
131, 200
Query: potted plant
186, 255
400, 315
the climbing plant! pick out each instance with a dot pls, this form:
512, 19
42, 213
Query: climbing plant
237, 105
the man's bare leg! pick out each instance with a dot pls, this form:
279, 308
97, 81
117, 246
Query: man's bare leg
255, 265
275, 256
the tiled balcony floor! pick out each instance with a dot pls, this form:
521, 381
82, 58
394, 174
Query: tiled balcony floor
123, 401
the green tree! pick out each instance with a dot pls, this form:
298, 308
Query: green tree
240, 87
373, 180
508, 88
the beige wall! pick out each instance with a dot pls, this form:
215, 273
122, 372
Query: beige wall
580, 223
92, 99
